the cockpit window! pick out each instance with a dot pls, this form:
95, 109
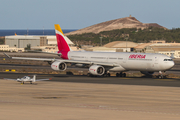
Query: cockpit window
168, 60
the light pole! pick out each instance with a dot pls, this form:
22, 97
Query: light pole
126, 42
101, 40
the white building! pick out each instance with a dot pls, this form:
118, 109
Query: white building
11, 49
21, 41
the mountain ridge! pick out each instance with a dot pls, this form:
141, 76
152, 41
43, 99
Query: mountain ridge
127, 22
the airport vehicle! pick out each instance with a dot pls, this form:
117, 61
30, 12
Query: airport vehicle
26, 79
101, 63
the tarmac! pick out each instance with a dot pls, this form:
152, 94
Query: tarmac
78, 97
91, 98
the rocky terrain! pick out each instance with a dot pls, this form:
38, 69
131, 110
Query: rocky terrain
127, 22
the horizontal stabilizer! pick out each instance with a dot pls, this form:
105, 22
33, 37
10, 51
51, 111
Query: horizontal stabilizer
7, 55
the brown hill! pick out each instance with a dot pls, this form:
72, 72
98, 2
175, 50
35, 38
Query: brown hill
127, 22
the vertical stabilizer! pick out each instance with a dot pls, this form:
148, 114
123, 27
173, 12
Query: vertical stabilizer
34, 78
61, 42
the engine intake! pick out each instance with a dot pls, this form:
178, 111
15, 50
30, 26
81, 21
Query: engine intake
97, 70
57, 65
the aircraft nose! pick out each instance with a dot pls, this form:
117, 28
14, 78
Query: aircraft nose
170, 64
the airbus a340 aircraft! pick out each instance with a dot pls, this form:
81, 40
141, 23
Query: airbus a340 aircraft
101, 63
26, 79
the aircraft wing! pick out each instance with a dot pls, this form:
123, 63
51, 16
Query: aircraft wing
9, 79
90, 62
40, 59
67, 61
43, 79
59, 54
26, 58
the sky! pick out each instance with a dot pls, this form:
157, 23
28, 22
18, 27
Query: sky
77, 14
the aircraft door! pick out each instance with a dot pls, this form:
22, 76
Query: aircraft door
155, 65
156, 60
124, 60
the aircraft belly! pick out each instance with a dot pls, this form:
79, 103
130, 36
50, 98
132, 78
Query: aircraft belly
117, 69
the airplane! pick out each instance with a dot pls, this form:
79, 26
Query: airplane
102, 63
26, 79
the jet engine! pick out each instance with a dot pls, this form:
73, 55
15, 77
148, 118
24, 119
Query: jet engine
58, 65
147, 73
97, 70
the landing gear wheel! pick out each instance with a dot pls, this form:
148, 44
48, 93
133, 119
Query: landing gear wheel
117, 75
120, 74
89, 75
124, 75
108, 74
160, 76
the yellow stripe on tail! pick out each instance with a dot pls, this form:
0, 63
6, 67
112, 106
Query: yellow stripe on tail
58, 28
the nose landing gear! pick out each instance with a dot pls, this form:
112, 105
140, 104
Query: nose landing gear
161, 76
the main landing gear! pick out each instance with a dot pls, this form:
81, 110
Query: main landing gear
106, 74
121, 74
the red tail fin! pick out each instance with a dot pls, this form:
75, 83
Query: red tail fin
61, 42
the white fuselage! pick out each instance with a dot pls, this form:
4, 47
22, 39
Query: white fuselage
126, 61
25, 79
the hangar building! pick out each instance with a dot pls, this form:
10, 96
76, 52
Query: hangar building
21, 41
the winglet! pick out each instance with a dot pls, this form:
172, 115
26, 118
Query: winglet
7, 55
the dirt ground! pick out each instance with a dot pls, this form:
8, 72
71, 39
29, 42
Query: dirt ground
83, 101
